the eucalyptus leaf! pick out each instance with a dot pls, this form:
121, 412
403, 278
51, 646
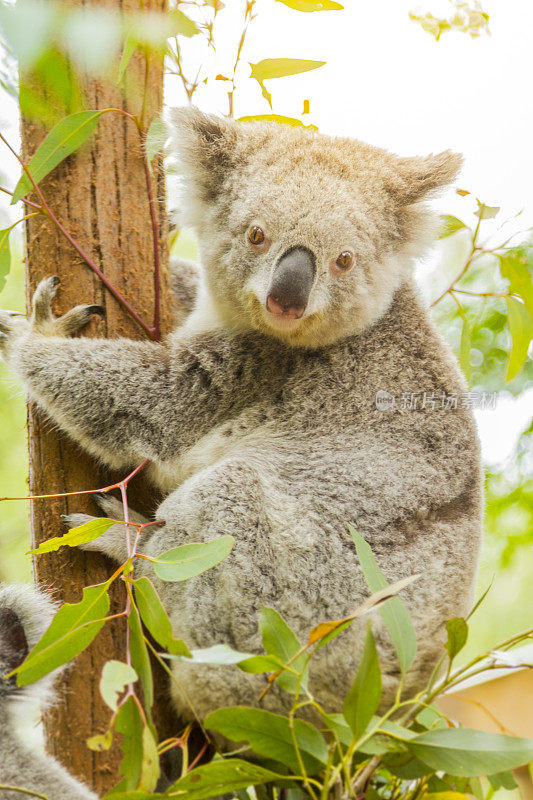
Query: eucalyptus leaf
514, 267
312, 5
87, 532
394, 613
101, 742
450, 225
5, 256
156, 618
72, 629
218, 654
129, 724
486, 212
182, 25
150, 770
271, 68
363, 698
220, 778
457, 631
280, 640
521, 329
64, 138
131, 43
115, 677
280, 68
140, 659
465, 348
279, 119
471, 753
190, 560
269, 735
155, 139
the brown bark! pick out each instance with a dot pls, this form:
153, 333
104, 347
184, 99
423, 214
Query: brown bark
99, 194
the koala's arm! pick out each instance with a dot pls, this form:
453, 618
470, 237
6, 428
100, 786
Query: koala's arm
124, 400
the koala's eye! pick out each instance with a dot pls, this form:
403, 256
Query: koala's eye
345, 261
256, 235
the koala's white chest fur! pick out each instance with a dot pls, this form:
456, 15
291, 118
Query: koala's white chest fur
217, 445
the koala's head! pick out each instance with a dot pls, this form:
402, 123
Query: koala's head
302, 236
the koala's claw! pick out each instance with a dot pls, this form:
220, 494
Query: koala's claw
43, 320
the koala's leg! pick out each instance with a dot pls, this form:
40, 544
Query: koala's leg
125, 401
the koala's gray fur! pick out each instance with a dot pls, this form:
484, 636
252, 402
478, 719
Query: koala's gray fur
270, 432
24, 616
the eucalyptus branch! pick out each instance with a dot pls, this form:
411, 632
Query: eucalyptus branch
248, 17
23, 791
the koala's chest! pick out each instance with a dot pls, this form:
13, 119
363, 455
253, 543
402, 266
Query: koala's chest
220, 443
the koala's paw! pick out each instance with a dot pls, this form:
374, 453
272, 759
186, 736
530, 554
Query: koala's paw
43, 320
13, 326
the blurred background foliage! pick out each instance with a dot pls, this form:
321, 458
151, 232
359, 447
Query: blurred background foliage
59, 46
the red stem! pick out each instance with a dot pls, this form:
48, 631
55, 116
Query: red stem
49, 213
125, 481
28, 202
156, 332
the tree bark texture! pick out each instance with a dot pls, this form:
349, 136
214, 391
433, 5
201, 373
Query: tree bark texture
99, 194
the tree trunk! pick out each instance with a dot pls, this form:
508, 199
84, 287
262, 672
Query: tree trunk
99, 194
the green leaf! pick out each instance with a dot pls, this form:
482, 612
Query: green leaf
150, 770
219, 778
470, 753
140, 659
258, 664
312, 5
129, 724
514, 268
131, 43
394, 613
521, 329
156, 618
135, 795
219, 654
155, 139
190, 560
281, 641
280, 68
465, 348
457, 630
101, 742
450, 225
503, 780
486, 212
278, 118
64, 138
115, 677
182, 25
5, 256
269, 735
87, 532
73, 628
363, 698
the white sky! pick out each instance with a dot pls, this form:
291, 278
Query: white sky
390, 83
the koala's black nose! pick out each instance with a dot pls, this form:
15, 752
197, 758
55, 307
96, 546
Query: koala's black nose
291, 284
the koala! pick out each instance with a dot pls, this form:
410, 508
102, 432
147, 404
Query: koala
259, 412
24, 616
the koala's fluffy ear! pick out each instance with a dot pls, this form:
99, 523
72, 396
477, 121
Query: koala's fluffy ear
204, 146
417, 178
